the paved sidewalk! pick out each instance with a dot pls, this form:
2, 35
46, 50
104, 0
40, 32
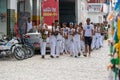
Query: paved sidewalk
63, 68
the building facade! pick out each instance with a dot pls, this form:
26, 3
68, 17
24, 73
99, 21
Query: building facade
17, 11
97, 10
97, 1
12, 10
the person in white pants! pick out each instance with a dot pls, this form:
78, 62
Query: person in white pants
44, 34
82, 44
65, 37
76, 41
53, 39
70, 39
98, 36
59, 39
52, 45
52, 42
93, 45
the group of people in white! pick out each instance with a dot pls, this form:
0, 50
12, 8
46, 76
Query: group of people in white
74, 40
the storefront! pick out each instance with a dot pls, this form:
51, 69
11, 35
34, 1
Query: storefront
26, 9
17, 11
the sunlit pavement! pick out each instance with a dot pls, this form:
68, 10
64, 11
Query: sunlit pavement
63, 68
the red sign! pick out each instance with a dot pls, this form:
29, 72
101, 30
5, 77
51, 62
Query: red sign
50, 11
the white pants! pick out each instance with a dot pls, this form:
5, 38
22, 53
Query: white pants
59, 39
52, 45
77, 48
62, 45
82, 45
58, 47
101, 40
93, 42
43, 48
71, 48
98, 36
66, 47
112, 76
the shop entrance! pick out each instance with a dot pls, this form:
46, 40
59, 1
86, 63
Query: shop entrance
67, 11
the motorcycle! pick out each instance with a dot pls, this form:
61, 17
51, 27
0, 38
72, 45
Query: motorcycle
12, 47
29, 50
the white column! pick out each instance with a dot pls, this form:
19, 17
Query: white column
78, 10
81, 10
12, 4
12, 9
28, 6
36, 11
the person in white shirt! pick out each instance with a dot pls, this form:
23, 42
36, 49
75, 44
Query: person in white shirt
59, 40
93, 45
53, 40
82, 43
44, 33
70, 39
65, 37
88, 33
98, 36
76, 41
29, 25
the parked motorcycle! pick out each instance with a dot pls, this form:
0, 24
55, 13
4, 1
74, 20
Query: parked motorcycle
12, 47
27, 46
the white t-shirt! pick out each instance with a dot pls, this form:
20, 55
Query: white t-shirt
77, 36
88, 30
70, 31
42, 25
29, 26
65, 31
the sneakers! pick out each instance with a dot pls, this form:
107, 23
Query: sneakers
85, 55
52, 56
75, 56
43, 56
79, 54
57, 56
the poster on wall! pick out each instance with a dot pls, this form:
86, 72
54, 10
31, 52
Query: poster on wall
50, 11
93, 7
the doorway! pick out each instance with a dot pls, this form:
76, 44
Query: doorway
67, 11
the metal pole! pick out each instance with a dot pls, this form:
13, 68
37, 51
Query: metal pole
59, 11
40, 11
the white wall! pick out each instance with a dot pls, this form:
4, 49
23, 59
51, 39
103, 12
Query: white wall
81, 11
95, 17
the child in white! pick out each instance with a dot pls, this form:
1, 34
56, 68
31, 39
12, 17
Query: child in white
70, 39
44, 33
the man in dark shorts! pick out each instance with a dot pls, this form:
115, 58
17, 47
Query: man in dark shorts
88, 33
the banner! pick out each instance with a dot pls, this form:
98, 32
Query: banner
50, 11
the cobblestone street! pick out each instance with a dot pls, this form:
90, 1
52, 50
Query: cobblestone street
63, 68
